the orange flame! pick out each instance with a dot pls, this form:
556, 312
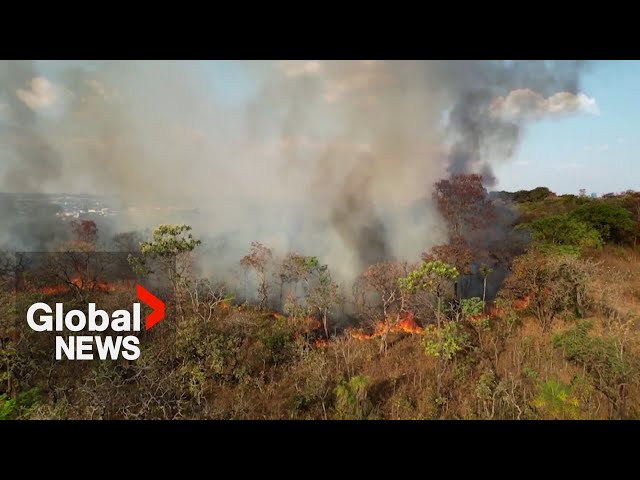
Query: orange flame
406, 325
491, 310
321, 343
521, 303
86, 285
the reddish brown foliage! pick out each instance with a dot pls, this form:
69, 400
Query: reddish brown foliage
464, 204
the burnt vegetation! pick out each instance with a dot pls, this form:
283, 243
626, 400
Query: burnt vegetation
529, 311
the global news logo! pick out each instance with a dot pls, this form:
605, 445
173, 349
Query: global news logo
41, 317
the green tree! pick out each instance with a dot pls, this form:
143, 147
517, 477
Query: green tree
444, 343
168, 244
612, 222
168, 251
435, 277
324, 296
568, 233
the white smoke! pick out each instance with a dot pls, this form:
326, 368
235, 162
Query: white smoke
525, 104
328, 158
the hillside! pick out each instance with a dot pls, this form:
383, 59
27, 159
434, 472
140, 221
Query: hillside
530, 311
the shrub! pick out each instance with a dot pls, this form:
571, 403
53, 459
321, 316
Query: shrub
556, 400
612, 222
611, 368
351, 398
568, 234
15, 408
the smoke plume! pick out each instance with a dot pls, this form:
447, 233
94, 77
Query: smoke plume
328, 158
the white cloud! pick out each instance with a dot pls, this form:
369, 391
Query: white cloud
525, 104
42, 94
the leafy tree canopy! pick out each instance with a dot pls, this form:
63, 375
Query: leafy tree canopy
612, 222
564, 231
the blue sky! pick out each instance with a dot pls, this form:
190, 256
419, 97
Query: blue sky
595, 152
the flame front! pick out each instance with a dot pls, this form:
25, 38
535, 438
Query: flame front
406, 325
85, 285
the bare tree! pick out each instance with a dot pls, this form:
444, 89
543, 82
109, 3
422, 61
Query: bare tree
205, 297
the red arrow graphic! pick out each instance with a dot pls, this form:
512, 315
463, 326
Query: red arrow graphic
154, 302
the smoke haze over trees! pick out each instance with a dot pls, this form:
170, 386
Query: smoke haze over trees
329, 158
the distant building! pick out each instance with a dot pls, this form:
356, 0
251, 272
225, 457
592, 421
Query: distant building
594, 195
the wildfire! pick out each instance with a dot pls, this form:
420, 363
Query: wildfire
85, 285
321, 343
406, 325
492, 310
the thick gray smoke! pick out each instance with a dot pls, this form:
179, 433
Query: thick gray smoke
486, 132
327, 158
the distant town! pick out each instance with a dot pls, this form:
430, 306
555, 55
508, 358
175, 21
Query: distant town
74, 206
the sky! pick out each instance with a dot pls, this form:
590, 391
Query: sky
594, 150
597, 152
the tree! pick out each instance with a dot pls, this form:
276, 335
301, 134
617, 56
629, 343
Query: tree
382, 279
434, 277
611, 366
631, 201
167, 250
564, 231
444, 343
463, 202
79, 269
258, 259
320, 294
485, 271
85, 231
457, 253
553, 282
536, 195
294, 269
324, 296
612, 222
